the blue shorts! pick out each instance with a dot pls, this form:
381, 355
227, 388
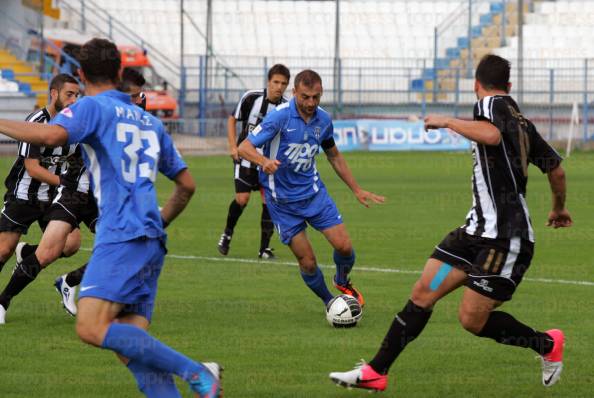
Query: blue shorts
290, 218
126, 273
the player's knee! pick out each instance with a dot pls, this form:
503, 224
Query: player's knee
48, 255
70, 249
345, 248
88, 332
421, 295
471, 321
5, 252
242, 200
307, 264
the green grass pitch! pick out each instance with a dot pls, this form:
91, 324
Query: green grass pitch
269, 331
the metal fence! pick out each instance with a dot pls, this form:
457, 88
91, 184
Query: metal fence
385, 88
210, 85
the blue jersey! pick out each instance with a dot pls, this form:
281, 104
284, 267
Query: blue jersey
123, 147
286, 137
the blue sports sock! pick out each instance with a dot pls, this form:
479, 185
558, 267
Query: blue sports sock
317, 284
344, 264
153, 383
137, 345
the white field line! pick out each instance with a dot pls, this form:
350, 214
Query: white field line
360, 268
357, 268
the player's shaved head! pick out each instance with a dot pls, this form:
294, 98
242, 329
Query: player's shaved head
100, 61
308, 78
493, 73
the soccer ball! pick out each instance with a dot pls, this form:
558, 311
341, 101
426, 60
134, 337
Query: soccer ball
343, 311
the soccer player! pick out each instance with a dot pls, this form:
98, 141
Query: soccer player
31, 182
123, 149
253, 106
132, 83
490, 253
66, 285
292, 137
71, 205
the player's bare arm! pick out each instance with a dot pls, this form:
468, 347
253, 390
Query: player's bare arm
479, 131
248, 151
232, 137
559, 217
342, 169
34, 133
179, 199
40, 173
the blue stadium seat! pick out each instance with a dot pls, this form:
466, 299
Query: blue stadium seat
7, 74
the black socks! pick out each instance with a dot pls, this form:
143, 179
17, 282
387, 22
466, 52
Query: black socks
505, 329
267, 228
73, 278
27, 250
408, 324
235, 211
23, 275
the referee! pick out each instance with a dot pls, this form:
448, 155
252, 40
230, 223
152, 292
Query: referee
251, 109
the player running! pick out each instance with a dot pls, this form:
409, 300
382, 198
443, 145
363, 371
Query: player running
292, 137
123, 148
251, 109
66, 285
71, 205
490, 253
31, 182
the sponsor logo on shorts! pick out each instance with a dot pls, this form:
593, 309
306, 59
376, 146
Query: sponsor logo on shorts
483, 284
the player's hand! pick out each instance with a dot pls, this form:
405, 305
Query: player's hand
433, 122
365, 197
270, 166
559, 219
234, 154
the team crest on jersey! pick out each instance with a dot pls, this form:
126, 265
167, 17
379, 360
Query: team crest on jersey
317, 132
67, 112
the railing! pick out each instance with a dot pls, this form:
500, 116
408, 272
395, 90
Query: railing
91, 15
381, 88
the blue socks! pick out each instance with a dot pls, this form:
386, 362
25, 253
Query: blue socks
140, 347
153, 383
316, 283
343, 266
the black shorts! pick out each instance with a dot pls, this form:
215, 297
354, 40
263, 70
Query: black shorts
495, 267
246, 178
73, 207
18, 215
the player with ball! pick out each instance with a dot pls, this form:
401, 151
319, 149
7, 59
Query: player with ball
291, 137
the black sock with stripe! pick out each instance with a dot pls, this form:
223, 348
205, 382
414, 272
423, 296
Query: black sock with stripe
24, 274
408, 324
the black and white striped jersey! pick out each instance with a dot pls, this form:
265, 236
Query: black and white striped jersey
500, 173
76, 176
251, 110
19, 184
